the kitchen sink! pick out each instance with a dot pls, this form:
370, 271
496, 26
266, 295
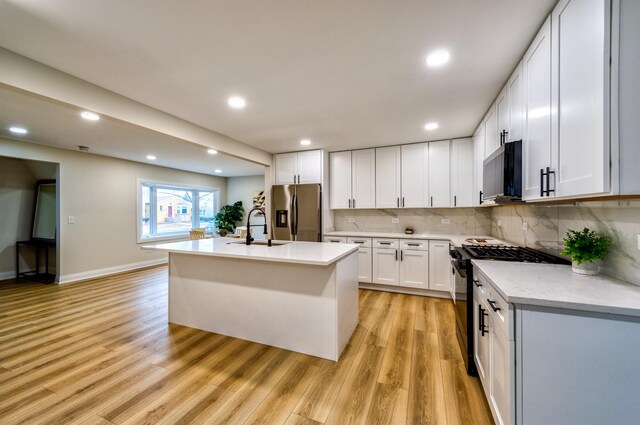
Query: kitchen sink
261, 242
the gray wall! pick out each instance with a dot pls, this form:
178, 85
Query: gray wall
242, 189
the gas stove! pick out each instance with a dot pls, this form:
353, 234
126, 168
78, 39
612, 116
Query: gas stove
510, 253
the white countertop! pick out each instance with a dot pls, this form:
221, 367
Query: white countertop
456, 240
315, 253
552, 285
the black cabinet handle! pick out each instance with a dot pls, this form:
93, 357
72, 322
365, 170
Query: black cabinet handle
403, 201
545, 176
358, 241
413, 244
455, 200
541, 182
354, 202
481, 201
398, 202
396, 255
384, 243
477, 283
493, 305
432, 201
401, 255
481, 315
349, 202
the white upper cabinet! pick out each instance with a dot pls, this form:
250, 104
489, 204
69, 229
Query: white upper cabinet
478, 155
299, 167
340, 180
491, 136
439, 178
462, 173
388, 175
580, 97
536, 143
415, 175
363, 178
352, 179
502, 116
516, 105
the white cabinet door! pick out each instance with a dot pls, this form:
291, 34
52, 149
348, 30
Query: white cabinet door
365, 268
310, 166
439, 179
439, 266
502, 114
500, 369
415, 175
386, 266
414, 269
388, 177
478, 153
491, 133
481, 336
580, 69
340, 180
462, 173
363, 178
286, 168
516, 105
536, 143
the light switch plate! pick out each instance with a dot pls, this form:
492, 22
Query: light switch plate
446, 221
525, 226
395, 220
351, 219
71, 219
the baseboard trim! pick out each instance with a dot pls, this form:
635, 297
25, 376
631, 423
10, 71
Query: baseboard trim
403, 290
93, 274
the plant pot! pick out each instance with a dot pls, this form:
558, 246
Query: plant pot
588, 268
223, 232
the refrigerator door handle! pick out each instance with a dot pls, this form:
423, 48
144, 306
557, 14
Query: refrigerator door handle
295, 217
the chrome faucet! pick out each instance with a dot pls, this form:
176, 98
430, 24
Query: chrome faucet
249, 225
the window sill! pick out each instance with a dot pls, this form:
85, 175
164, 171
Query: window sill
171, 238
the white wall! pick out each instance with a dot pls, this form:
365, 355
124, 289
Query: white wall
101, 193
242, 189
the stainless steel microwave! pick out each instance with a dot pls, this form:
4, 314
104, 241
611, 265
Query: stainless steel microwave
502, 174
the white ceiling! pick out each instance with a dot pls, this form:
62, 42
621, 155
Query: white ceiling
345, 74
60, 125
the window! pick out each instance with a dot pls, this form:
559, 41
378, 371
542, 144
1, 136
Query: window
167, 210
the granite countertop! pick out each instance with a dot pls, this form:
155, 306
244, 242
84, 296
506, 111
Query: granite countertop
456, 240
553, 285
314, 253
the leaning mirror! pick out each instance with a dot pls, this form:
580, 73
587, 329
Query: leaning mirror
44, 217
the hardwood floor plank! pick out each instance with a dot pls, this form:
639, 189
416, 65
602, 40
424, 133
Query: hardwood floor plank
101, 352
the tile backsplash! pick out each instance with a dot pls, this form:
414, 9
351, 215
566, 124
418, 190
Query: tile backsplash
462, 221
544, 227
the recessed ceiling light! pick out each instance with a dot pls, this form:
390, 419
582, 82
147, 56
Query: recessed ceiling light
212, 151
438, 58
305, 142
90, 116
431, 126
151, 157
237, 102
217, 171
18, 130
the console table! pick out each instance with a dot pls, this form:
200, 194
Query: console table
39, 245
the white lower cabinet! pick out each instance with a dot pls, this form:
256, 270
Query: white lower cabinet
386, 266
365, 259
401, 263
439, 266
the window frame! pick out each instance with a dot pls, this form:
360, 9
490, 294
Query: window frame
153, 185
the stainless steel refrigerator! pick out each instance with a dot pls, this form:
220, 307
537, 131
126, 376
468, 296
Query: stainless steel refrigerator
295, 212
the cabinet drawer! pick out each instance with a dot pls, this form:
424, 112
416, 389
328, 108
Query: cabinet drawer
335, 239
363, 242
480, 284
415, 245
501, 313
385, 243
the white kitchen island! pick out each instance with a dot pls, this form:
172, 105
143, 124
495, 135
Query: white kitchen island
300, 296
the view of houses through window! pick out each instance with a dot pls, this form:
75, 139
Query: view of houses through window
171, 210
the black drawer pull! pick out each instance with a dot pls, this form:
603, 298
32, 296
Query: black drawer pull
493, 305
477, 283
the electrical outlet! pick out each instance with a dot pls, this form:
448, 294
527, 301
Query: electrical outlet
525, 226
499, 223
71, 219
446, 221
351, 219
395, 220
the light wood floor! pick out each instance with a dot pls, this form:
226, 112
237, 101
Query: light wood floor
101, 352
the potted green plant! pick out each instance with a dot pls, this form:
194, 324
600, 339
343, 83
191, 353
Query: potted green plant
227, 218
586, 249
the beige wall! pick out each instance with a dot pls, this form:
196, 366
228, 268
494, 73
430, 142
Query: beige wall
101, 193
242, 189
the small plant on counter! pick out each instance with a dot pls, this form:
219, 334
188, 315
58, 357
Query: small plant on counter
228, 217
586, 248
